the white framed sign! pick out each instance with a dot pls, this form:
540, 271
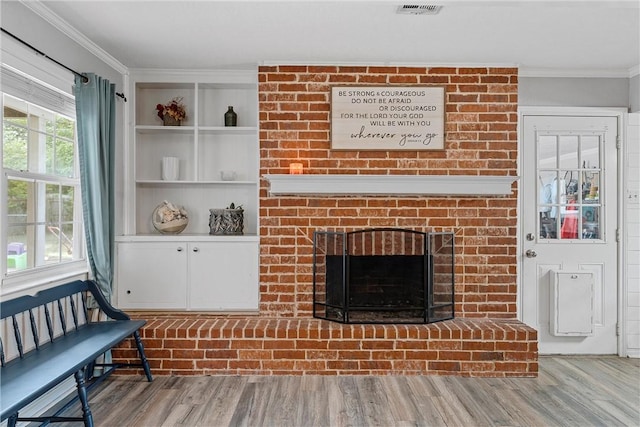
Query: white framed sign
387, 117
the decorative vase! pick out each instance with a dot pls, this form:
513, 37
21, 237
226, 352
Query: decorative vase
170, 168
168, 218
230, 117
167, 120
226, 221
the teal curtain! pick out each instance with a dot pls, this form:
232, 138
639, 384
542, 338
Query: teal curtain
95, 118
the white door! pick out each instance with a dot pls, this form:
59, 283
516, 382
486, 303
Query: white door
569, 221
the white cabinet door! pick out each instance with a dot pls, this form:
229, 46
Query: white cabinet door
151, 275
223, 276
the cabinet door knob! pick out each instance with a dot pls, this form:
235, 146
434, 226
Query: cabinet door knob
179, 248
195, 249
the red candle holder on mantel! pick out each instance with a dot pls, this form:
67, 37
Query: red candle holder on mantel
296, 169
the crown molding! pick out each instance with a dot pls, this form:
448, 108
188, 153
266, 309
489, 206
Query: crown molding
196, 75
39, 8
269, 63
578, 73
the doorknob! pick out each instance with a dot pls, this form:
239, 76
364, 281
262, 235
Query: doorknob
531, 253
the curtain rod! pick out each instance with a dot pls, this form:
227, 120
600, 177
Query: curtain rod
85, 79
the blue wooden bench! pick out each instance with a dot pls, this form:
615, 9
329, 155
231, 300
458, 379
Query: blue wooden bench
52, 339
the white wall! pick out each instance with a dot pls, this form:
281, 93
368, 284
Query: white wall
573, 92
634, 94
632, 235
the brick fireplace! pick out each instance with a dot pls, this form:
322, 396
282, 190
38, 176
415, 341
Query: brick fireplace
485, 339
481, 139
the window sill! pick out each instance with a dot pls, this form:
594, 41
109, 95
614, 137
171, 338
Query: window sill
445, 185
31, 281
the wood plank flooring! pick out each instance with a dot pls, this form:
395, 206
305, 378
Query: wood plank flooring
570, 391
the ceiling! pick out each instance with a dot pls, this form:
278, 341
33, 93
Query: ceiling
583, 37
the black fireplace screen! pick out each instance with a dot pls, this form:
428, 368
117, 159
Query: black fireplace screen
383, 276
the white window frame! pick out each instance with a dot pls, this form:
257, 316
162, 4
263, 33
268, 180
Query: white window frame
39, 276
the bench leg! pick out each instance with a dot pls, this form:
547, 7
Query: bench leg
143, 358
82, 395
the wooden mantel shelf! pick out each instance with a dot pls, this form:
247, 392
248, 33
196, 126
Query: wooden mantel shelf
449, 185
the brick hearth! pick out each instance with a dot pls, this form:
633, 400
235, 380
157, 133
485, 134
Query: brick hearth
226, 345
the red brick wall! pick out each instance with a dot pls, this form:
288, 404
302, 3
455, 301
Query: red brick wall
481, 119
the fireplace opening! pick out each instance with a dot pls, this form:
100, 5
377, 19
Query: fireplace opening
383, 275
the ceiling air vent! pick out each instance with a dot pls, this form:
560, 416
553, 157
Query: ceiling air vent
418, 9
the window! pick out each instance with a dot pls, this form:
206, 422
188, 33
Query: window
43, 222
570, 178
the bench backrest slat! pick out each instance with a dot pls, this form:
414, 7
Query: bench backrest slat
18, 335
74, 312
85, 310
47, 317
34, 329
63, 320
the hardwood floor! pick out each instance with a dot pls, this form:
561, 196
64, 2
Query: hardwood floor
570, 391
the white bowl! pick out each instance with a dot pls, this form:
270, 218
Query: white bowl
228, 175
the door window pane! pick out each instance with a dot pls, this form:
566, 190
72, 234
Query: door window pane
547, 203
547, 152
570, 222
590, 152
568, 152
591, 192
569, 186
591, 222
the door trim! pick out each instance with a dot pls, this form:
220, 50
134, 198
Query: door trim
621, 115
